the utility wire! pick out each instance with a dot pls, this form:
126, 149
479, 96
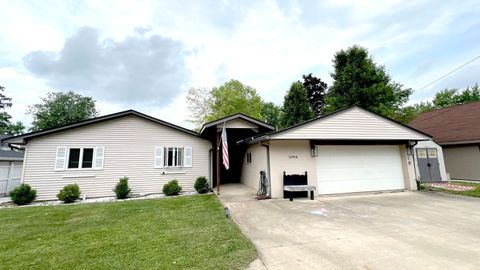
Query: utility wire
448, 73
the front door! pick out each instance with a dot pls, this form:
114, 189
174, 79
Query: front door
428, 165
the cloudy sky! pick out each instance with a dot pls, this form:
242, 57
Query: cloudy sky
146, 54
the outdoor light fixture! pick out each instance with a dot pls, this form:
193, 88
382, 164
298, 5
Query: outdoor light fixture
314, 150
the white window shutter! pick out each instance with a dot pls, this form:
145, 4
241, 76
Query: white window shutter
61, 158
187, 162
158, 158
99, 157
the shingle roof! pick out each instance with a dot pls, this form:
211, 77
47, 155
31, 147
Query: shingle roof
456, 124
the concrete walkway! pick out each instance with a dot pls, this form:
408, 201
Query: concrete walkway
407, 230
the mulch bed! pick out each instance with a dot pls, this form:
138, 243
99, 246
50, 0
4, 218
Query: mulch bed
451, 186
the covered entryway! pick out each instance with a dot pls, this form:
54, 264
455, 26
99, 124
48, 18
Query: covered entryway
238, 127
358, 168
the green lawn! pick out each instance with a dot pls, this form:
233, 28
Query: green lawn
174, 233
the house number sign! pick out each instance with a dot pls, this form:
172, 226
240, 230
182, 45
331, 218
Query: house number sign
292, 156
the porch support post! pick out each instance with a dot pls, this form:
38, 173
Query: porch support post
218, 163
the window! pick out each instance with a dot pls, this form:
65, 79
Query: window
249, 157
80, 158
173, 157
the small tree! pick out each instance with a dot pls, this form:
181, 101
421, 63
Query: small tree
122, 191
296, 108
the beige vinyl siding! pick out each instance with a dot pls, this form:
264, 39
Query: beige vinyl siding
281, 160
129, 151
251, 171
462, 162
352, 124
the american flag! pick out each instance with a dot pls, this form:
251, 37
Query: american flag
226, 163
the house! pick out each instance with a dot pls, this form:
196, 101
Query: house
351, 150
457, 130
11, 164
95, 153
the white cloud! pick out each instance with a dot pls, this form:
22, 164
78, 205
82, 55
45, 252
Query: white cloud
265, 44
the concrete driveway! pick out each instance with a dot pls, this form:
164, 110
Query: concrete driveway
406, 230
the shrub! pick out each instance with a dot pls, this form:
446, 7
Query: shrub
23, 194
172, 188
122, 191
201, 185
69, 193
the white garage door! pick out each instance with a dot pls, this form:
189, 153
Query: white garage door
358, 168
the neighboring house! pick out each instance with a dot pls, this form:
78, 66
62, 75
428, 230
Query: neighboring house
351, 150
457, 130
11, 163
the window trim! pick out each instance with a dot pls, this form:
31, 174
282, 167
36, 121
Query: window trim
80, 162
186, 160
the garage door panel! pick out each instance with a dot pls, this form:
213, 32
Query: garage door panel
358, 168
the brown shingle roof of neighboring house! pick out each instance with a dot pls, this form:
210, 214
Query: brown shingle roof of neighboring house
452, 125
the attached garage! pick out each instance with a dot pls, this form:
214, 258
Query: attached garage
358, 168
351, 150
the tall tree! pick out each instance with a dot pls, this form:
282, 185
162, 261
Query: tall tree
6, 126
199, 100
316, 91
230, 98
296, 107
272, 114
357, 80
59, 108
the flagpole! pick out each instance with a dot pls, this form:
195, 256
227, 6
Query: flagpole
218, 163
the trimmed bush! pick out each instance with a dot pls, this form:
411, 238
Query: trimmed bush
201, 185
23, 194
122, 191
172, 188
69, 193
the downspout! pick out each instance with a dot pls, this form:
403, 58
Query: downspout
411, 146
268, 168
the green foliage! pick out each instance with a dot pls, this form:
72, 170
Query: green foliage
357, 80
296, 107
272, 114
6, 126
23, 194
201, 185
230, 98
58, 109
316, 91
442, 99
172, 188
122, 191
69, 193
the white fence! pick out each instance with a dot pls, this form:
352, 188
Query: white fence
10, 176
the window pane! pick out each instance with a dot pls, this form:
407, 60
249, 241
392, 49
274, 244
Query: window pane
170, 157
179, 157
74, 158
87, 160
